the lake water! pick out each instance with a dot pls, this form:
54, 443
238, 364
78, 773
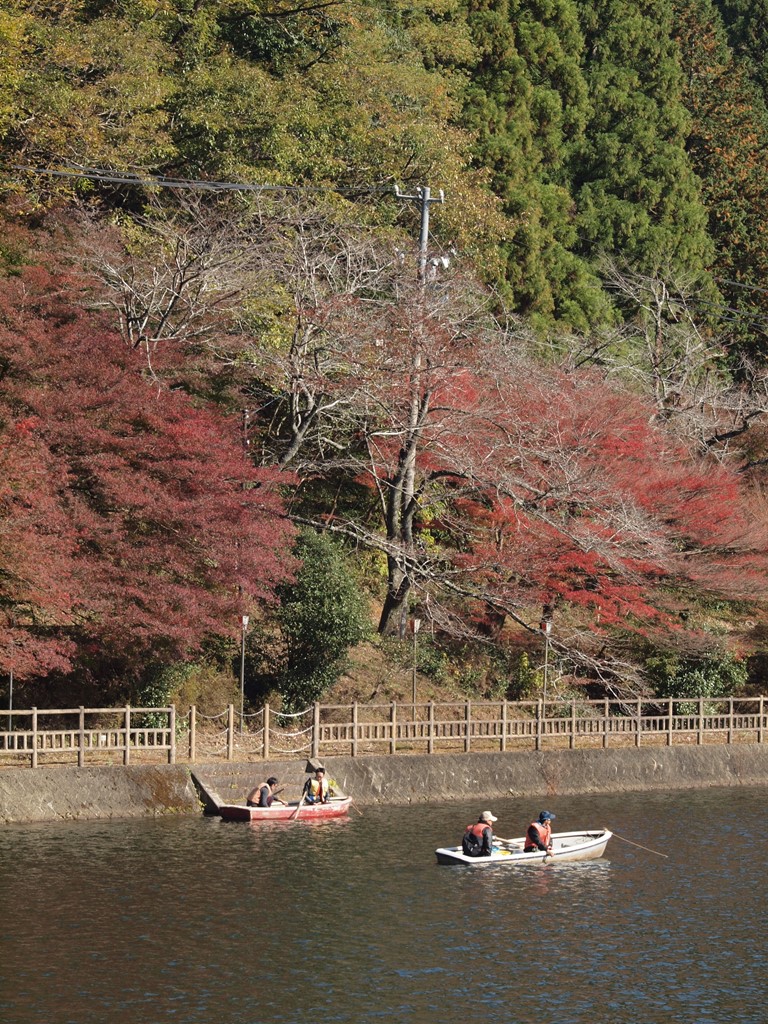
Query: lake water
198, 921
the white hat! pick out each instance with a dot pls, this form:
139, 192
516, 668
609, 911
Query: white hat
487, 816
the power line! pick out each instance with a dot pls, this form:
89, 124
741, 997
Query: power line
163, 181
422, 196
725, 312
740, 284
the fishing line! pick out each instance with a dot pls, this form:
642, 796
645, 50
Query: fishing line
647, 848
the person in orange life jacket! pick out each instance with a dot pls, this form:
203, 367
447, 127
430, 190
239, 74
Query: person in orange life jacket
478, 839
264, 794
539, 834
316, 790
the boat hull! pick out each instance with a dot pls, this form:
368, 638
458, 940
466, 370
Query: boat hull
566, 847
336, 807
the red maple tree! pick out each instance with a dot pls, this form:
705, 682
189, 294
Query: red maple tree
132, 526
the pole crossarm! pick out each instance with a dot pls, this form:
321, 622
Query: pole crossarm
424, 197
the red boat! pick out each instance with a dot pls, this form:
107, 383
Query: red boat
336, 807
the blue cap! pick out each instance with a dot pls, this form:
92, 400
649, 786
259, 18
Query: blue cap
546, 816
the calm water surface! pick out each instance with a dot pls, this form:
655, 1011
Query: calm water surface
198, 921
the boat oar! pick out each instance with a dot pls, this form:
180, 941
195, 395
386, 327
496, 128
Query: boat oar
646, 848
296, 812
354, 804
341, 795
519, 846
507, 842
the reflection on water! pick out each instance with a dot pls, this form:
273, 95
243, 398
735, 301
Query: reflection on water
352, 921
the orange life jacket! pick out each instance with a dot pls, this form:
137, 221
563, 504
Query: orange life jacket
476, 849
545, 834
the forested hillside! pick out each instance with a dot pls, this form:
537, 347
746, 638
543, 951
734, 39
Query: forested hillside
239, 376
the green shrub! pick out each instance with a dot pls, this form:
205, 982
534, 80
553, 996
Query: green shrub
716, 675
322, 615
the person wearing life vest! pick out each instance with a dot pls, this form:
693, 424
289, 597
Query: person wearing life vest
539, 834
478, 839
317, 790
264, 795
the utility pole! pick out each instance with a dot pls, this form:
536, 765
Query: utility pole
402, 499
244, 626
416, 628
546, 628
425, 198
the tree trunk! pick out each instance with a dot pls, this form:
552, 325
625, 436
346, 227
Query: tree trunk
400, 512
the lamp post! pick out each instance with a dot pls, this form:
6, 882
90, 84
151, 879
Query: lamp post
416, 627
546, 628
244, 624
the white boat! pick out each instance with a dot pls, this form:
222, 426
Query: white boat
566, 847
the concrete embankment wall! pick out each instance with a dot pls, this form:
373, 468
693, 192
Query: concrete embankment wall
423, 778
56, 793
61, 792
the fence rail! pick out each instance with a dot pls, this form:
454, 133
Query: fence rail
85, 733
97, 735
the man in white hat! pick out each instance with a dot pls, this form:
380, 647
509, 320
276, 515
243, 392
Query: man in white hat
478, 839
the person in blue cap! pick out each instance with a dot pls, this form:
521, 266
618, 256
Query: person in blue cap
539, 834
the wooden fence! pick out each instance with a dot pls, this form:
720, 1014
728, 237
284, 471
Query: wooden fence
93, 734
100, 735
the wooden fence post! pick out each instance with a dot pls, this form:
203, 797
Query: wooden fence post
192, 732
670, 721
265, 738
172, 726
127, 747
730, 720
572, 742
639, 722
503, 745
81, 738
316, 731
467, 726
606, 712
230, 732
393, 727
700, 724
354, 729
431, 733
761, 728
34, 737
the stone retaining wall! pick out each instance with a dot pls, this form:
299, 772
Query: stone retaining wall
46, 794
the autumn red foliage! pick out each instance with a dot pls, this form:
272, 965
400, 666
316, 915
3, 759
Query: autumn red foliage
599, 508
507, 484
132, 526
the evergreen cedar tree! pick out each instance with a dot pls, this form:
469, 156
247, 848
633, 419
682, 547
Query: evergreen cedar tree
558, 128
130, 519
727, 141
527, 103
